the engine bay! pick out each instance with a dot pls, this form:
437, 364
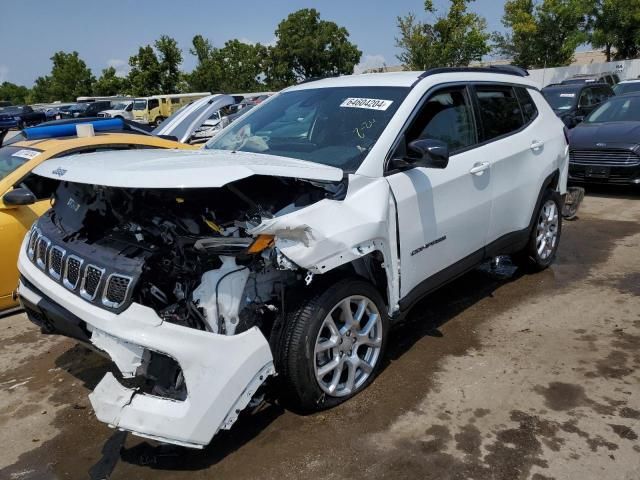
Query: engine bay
190, 252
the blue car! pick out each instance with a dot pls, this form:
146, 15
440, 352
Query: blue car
20, 117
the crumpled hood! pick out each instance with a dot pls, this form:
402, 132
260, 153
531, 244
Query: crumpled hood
179, 168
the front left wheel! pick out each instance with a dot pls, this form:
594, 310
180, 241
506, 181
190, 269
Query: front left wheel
333, 344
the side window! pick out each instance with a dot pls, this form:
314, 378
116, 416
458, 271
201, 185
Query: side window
129, 107
499, 110
446, 116
586, 98
41, 187
605, 94
153, 103
528, 106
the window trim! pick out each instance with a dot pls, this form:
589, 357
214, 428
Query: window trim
470, 85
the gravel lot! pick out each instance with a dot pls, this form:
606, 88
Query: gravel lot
498, 376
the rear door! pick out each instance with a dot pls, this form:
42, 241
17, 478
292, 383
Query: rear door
520, 148
443, 214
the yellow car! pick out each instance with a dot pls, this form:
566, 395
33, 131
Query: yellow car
25, 196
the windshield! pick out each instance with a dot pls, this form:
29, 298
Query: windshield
140, 105
622, 88
11, 110
561, 99
13, 157
78, 107
616, 110
119, 106
333, 126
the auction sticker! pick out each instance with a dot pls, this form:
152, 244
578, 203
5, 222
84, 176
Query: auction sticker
28, 154
368, 103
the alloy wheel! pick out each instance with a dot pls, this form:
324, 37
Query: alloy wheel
547, 230
348, 346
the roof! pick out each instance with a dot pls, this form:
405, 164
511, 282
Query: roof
574, 86
408, 79
632, 80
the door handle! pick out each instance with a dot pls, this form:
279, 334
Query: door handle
536, 145
479, 168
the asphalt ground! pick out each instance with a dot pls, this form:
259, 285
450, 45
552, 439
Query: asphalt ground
500, 375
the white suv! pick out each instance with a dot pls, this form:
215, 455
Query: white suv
287, 247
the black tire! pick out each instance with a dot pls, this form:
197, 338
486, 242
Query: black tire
530, 258
296, 358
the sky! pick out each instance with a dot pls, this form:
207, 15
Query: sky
108, 33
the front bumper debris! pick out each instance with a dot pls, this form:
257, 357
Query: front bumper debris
221, 373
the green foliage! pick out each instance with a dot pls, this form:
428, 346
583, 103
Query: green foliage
16, 94
240, 65
110, 84
545, 33
170, 58
144, 77
70, 78
455, 39
308, 47
156, 71
207, 75
616, 28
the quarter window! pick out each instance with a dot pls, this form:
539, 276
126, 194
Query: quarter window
500, 111
528, 106
447, 116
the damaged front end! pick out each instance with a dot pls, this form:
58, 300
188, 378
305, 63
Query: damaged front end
177, 286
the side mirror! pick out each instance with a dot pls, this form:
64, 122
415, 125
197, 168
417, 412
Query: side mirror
428, 153
19, 196
579, 118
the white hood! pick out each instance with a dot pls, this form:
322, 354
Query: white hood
178, 168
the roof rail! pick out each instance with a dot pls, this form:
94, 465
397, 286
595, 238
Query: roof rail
504, 69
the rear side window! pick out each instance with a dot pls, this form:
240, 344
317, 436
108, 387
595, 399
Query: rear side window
500, 111
528, 106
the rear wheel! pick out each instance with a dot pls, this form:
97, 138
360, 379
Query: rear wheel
542, 247
333, 344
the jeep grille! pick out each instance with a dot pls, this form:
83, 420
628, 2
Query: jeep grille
88, 280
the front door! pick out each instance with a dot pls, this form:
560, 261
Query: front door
443, 214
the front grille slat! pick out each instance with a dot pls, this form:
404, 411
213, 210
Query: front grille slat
42, 247
56, 255
91, 281
116, 290
613, 158
72, 272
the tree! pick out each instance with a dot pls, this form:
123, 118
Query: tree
69, 78
156, 71
453, 40
543, 34
110, 84
145, 77
206, 76
308, 47
616, 26
16, 94
170, 58
240, 66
